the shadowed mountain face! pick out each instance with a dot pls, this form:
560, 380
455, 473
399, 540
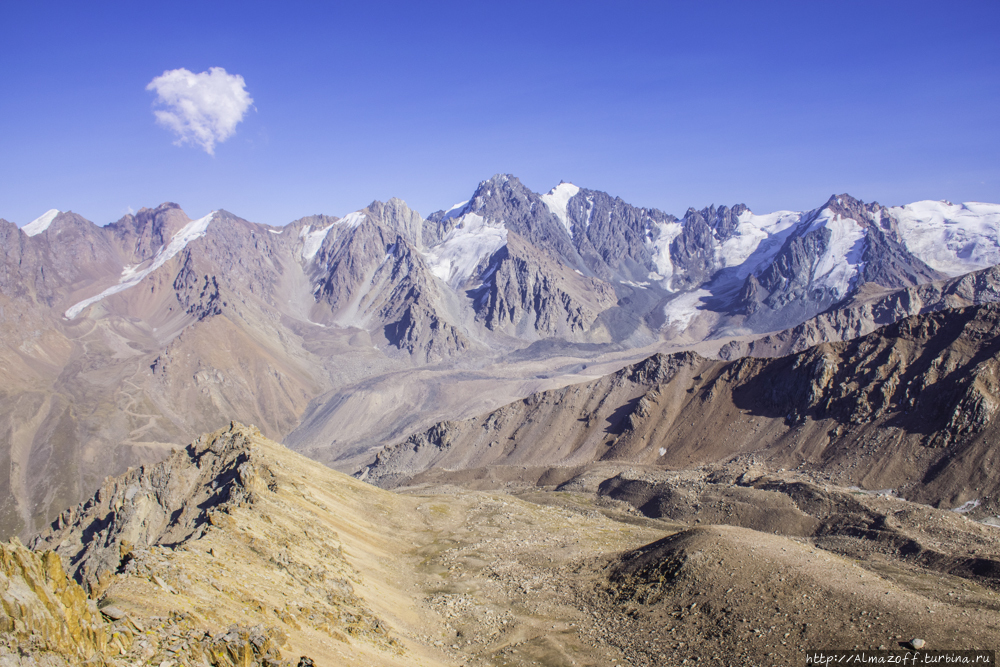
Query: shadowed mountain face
346, 333
911, 408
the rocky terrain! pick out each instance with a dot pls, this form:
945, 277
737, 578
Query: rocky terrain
869, 308
236, 551
340, 334
910, 408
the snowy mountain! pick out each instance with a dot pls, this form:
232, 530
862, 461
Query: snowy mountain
338, 334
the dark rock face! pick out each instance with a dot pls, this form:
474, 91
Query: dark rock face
612, 235
198, 294
693, 252
527, 291
505, 198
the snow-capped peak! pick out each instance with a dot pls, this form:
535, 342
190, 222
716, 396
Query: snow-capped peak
557, 200
455, 211
312, 240
130, 277
41, 223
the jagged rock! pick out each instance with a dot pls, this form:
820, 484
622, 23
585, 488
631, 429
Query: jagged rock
44, 608
223, 525
164, 503
529, 293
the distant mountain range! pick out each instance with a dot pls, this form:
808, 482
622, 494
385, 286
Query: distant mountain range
340, 335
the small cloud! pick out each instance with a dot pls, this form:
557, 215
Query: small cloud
202, 109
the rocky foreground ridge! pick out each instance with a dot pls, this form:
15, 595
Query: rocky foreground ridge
236, 551
213, 556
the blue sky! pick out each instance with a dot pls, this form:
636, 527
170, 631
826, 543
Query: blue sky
665, 104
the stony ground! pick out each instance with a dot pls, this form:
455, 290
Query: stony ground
546, 578
296, 560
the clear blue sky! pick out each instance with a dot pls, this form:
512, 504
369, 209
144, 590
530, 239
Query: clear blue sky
665, 104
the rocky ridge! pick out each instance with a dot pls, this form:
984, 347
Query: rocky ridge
237, 551
910, 407
869, 308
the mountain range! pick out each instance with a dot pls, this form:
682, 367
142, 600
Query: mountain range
340, 335
603, 434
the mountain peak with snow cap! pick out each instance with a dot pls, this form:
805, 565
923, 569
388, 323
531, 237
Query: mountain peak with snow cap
41, 223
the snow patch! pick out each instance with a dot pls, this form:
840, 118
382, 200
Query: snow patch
668, 231
455, 211
951, 238
756, 240
41, 223
967, 507
473, 239
352, 220
274, 231
557, 201
131, 277
681, 310
837, 267
312, 240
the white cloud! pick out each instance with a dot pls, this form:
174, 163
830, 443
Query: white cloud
202, 109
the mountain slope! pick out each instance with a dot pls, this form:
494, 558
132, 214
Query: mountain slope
236, 551
869, 308
910, 407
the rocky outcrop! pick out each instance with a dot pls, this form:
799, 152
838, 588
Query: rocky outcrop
163, 504
199, 295
44, 610
527, 294
231, 524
